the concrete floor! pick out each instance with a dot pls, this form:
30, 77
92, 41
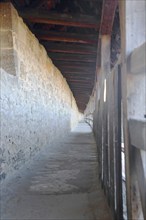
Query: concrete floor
59, 184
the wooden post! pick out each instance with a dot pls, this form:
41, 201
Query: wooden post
105, 70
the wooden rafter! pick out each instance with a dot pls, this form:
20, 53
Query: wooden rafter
76, 20
72, 57
66, 37
73, 52
76, 69
75, 64
69, 48
80, 78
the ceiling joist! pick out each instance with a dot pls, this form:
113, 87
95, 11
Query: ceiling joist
75, 64
76, 69
72, 20
72, 57
66, 37
69, 31
69, 48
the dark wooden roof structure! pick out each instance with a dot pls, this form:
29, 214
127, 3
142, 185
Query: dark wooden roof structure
69, 30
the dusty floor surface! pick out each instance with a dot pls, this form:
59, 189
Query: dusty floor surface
59, 184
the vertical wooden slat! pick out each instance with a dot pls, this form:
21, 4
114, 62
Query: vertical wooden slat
110, 93
105, 70
126, 142
117, 145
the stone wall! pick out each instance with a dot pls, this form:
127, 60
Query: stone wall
89, 111
37, 105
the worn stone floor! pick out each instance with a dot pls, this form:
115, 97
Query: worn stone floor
59, 184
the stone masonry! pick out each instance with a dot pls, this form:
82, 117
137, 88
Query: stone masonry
37, 106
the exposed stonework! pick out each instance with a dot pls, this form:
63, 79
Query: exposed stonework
89, 111
37, 105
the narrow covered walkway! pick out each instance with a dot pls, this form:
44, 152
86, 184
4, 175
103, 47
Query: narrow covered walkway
60, 183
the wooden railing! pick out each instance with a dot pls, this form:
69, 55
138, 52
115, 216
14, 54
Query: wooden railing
108, 126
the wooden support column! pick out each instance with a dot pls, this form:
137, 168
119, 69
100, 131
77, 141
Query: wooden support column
117, 146
105, 69
105, 56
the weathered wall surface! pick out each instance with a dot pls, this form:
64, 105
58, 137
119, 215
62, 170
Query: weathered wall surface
89, 111
37, 105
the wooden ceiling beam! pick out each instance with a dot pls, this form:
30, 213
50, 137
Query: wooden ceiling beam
81, 86
74, 20
83, 71
69, 38
107, 19
77, 91
76, 74
84, 100
85, 90
69, 48
75, 95
89, 84
74, 77
80, 94
82, 97
72, 57
66, 37
80, 81
75, 69
75, 64
80, 78
108, 14
75, 86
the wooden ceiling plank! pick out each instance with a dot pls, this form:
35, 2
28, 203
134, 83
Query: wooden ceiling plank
82, 86
64, 48
74, 66
75, 20
71, 74
66, 37
76, 63
76, 73
72, 57
79, 81
89, 86
76, 70
74, 76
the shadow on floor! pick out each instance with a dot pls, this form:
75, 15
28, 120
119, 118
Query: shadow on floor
60, 184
